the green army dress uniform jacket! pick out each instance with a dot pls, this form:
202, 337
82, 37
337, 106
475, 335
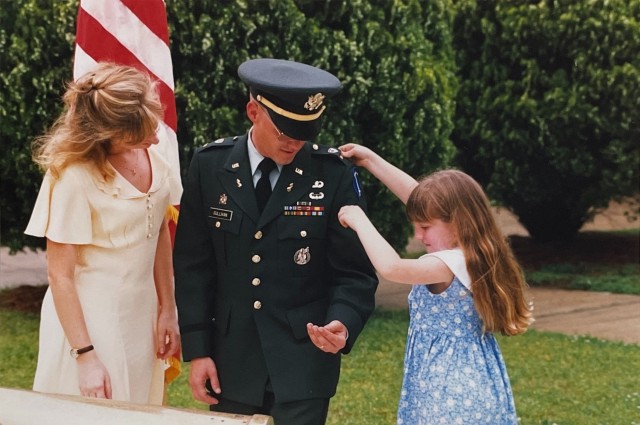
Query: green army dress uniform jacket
247, 283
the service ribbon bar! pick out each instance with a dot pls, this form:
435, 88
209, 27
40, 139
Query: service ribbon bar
304, 213
303, 210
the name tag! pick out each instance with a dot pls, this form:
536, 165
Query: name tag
220, 214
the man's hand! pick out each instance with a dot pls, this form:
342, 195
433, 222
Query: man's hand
330, 338
201, 369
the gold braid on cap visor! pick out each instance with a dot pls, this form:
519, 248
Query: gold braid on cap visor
296, 117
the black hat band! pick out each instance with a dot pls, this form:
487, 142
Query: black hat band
288, 114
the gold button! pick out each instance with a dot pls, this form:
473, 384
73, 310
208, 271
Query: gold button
218, 224
255, 259
257, 305
255, 281
258, 235
303, 233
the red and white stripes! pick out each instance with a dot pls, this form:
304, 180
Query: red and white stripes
132, 32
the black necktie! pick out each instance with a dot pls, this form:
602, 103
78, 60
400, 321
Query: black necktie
263, 188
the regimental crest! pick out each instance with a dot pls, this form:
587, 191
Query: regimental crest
302, 256
314, 102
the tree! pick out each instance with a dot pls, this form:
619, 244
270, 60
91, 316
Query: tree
548, 109
393, 58
36, 47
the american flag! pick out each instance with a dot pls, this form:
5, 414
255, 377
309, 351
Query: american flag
135, 33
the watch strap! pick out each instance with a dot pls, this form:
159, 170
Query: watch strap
75, 352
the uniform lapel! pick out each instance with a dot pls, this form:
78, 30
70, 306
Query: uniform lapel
292, 184
236, 179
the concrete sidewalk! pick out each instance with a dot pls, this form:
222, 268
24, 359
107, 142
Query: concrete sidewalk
599, 314
604, 315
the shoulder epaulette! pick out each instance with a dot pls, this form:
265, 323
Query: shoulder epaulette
329, 151
226, 142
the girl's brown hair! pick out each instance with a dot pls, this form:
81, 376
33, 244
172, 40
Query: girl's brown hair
111, 103
498, 283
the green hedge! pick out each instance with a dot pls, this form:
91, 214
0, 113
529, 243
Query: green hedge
548, 111
394, 59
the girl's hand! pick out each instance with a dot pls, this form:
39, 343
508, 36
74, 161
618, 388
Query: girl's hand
351, 215
168, 334
93, 378
358, 154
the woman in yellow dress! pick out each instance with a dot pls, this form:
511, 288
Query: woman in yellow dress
109, 316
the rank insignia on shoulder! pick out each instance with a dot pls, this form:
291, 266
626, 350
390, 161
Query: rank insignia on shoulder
356, 184
226, 142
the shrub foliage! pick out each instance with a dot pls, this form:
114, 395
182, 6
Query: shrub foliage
548, 110
393, 58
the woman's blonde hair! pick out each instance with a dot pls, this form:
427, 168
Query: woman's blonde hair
498, 283
112, 103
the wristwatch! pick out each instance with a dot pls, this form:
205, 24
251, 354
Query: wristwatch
75, 352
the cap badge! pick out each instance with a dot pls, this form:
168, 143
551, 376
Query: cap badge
302, 256
314, 102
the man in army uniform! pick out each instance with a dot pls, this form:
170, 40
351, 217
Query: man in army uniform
270, 288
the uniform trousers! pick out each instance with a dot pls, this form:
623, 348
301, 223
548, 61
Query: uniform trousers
302, 412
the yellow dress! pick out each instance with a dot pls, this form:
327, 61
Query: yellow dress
116, 228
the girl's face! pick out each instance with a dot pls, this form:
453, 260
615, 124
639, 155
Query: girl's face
435, 235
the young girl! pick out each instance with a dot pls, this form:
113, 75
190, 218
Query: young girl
465, 288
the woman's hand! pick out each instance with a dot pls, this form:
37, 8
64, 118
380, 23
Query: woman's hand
168, 333
93, 378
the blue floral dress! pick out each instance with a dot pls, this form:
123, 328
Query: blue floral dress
453, 373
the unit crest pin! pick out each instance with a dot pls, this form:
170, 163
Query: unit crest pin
302, 256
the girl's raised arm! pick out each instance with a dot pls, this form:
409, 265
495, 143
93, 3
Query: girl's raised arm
398, 182
386, 261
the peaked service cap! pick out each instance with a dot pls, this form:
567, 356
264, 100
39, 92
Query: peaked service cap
293, 93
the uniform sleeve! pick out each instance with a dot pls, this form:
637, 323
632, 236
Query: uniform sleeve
354, 280
194, 267
62, 213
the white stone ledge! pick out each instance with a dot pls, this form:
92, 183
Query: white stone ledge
22, 407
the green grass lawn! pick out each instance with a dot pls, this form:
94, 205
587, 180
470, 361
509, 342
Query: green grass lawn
556, 379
